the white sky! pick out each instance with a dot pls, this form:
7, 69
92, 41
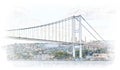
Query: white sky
25, 13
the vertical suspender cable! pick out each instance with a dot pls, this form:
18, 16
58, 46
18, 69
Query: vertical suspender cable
59, 32
65, 31
48, 32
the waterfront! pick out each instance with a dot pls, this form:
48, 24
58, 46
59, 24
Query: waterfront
54, 52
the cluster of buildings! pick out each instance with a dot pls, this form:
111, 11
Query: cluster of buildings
46, 52
98, 50
33, 51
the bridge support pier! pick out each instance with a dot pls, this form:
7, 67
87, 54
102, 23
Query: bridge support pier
77, 30
80, 37
73, 35
73, 51
80, 51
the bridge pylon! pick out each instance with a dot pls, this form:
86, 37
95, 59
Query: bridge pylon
77, 30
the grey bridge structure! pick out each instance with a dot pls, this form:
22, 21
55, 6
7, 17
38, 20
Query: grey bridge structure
67, 31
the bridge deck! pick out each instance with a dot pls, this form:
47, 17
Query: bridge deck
53, 41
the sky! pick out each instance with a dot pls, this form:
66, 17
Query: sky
103, 15
23, 13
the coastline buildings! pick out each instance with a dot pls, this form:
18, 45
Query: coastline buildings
95, 50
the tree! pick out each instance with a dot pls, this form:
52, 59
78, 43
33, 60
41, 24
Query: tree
61, 55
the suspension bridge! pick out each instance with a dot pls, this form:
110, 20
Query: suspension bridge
65, 31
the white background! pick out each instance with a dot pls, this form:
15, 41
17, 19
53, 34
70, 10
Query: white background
7, 7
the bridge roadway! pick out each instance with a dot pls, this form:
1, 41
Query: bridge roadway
52, 41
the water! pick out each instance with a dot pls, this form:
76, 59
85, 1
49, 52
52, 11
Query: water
59, 63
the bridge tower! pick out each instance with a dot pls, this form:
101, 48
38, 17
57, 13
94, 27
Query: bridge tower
74, 34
